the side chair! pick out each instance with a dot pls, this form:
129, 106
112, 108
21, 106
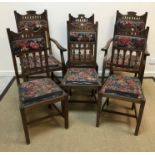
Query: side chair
39, 92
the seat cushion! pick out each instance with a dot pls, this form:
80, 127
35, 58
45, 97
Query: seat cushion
123, 86
81, 76
52, 61
133, 62
39, 89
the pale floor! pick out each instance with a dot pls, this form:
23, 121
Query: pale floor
114, 134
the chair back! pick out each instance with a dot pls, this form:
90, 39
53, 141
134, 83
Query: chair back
30, 49
33, 21
128, 52
130, 22
82, 41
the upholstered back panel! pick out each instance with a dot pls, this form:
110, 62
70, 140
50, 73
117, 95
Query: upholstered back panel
31, 21
130, 22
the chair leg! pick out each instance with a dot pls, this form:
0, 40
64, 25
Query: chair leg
132, 107
99, 102
107, 101
50, 106
64, 105
64, 71
22, 111
141, 109
52, 76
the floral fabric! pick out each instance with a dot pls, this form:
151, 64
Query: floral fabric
129, 42
34, 25
39, 89
81, 76
82, 36
125, 25
123, 86
28, 44
52, 61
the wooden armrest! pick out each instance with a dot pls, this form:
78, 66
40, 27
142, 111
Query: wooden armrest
147, 53
106, 47
62, 49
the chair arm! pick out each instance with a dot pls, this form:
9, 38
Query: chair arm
106, 47
62, 49
147, 53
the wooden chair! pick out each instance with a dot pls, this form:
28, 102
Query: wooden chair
129, 22
37, 92
82, 51
82, 41
125, 87
33, 21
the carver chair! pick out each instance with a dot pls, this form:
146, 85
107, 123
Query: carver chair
33, 21
39, 92
125, 23
82, 51
125, 87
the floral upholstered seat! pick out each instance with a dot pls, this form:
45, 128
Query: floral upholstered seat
123, 86
39, 89
81, 76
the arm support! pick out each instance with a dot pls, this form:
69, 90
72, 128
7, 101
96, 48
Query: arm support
106, 47
62, 50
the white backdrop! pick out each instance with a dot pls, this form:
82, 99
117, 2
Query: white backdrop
105, 14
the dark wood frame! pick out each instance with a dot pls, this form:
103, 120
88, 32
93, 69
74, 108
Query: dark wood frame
24, 76
121, 68
138, 116
31, 16
63, 113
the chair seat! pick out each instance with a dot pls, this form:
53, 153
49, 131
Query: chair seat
118, 85
52, 61
133, 63
80, 76
38, 90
